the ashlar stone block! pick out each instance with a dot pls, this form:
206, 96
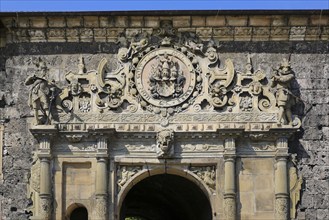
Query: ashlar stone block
56, 22
264, 201
214, 21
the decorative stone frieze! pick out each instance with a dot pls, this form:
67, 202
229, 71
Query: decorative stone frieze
261, 28
166, 82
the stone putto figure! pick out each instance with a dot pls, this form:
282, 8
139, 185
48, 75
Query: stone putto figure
125, 173
281, 80
41, 94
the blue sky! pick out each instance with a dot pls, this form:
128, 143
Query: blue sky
130, 5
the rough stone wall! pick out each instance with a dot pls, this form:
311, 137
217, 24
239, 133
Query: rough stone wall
309, 60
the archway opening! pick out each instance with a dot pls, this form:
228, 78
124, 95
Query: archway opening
79, 213
166, 197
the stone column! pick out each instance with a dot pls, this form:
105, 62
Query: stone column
101, 180
45, 195
281, 180
229, 182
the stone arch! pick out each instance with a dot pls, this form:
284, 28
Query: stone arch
144, 174
72, 208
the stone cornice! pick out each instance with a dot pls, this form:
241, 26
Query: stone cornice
84, 27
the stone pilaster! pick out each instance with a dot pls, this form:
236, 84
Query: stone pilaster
281, 180
229, 182
45, 195
101, 180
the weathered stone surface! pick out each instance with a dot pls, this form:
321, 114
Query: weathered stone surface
309, 60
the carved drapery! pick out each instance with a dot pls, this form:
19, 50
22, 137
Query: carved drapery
295, 185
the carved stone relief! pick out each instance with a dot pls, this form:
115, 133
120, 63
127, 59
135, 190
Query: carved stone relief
42, 94
281, 80
201, 148
207, 174
161, 80
45, 208
165, 143
295, 185
229, 208
33, 188
76, 147
101, 208
281, 208
125, 173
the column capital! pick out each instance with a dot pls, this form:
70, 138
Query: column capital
281, 157
44, 158
102, 146
101, 158
229, 157
230, 149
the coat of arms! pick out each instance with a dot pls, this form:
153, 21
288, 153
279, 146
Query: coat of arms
166, 78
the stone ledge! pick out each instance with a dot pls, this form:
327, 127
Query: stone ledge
88, 28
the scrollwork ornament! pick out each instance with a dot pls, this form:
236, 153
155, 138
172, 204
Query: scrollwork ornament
264, 104
67, 104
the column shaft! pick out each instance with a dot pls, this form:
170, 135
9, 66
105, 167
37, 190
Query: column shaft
101, 179
45, 203
229, 182
281, 189
101, 207
45, 177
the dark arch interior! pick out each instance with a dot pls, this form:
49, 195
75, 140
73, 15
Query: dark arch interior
80, 213
166, 197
